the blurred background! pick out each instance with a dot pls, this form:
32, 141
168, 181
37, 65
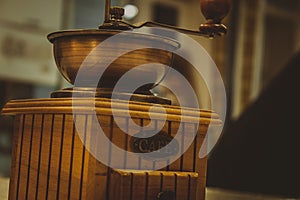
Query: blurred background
254, 59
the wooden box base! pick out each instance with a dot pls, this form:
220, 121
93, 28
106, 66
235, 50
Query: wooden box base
49, 160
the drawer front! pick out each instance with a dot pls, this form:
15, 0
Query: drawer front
152, 185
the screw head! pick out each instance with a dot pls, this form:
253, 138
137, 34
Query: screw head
166, 195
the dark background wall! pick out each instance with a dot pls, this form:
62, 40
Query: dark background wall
260, 152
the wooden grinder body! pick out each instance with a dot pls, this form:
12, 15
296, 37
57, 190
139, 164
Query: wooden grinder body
50, 161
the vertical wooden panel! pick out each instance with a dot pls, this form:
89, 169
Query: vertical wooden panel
45, 156
101, 169
111, 124
182, 186
88, 181
154, 185
66, 155
201, 188
140, 123
118, 139
72, 155
167, 129
100, 180
55, 158
75, 188
25, 157
193, 185
175, 128
83, 138
120, 185
147, 163
195, 147
134, 162
182, 145
16, 152
201, 164
104, 122
34, 157
188, 156
138, 185
116, 189
126, 142
131, 163
168, 182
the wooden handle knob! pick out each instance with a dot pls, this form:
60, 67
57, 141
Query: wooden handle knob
215, 10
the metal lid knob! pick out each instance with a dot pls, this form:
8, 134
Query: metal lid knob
115, 21
117, 13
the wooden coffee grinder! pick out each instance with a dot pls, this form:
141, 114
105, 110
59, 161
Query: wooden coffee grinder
94, 141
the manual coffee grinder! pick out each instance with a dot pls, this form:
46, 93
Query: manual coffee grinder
94, 141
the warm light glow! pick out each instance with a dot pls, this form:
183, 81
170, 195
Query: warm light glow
130, 11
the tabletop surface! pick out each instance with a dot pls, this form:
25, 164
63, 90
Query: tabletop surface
212, 194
